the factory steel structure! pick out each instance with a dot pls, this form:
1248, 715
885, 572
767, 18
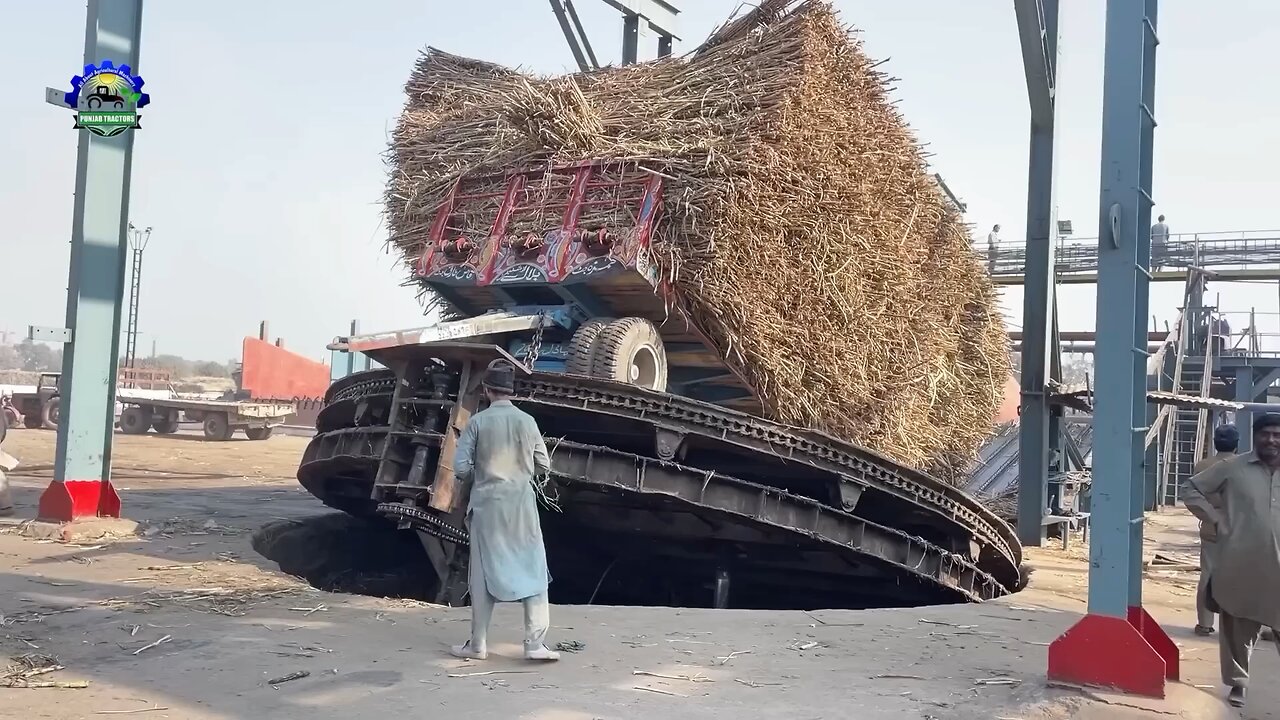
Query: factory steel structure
1116, 644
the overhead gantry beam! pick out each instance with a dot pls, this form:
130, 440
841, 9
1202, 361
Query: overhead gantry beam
575, 35
1038, 35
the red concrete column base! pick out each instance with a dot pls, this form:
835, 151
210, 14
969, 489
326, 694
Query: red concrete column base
64, 501
1158, 639
1108, 652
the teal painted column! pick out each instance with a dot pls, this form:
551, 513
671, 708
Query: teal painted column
1038, 37
95, 290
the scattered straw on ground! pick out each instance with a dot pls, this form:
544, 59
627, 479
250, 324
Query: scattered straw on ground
801, 230
217, 588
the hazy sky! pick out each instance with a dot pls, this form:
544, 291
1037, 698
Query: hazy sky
269, 207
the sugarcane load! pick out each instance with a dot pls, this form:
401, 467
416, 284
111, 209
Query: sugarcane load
751, 224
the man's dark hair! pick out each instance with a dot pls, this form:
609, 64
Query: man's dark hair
1226, 438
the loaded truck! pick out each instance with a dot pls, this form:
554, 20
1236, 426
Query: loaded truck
588, 230
655, 452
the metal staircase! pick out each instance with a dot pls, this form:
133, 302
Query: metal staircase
1184, 444
1185, 428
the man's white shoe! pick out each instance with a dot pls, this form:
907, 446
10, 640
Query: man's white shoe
541, 654
465, 652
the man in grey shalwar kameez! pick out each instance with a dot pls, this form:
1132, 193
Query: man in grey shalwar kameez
1225, 441
502, 454
1241, 498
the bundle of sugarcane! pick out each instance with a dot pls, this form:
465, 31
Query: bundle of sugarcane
801, 230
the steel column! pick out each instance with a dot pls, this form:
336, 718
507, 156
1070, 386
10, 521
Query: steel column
95, 294
1118, 644
1038, 33
630, 38
1244, 417
1141, 303
1124, 204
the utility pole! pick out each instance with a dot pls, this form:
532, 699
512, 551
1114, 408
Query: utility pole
137, 243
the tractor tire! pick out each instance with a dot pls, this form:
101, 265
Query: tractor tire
630, 351
261, 433
583, 345
167, 425
217, 427
50, 413
135, 420
4, 427
32, 421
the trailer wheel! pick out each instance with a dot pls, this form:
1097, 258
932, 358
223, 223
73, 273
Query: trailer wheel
50, 413
582, 346
166, 425
630, 351
135, 420
261, 433
217, 427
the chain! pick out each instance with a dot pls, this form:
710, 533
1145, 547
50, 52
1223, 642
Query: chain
535, 345
426, 522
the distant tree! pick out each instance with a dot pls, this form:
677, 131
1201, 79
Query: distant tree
210, 368
9, 358
178, 367
39, 357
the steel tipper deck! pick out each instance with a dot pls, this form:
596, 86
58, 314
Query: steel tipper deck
776, 542
366, 455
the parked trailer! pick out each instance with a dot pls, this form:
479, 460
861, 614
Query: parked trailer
221, 419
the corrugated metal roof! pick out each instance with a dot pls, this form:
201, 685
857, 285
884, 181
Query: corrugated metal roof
1162, 397
995, 472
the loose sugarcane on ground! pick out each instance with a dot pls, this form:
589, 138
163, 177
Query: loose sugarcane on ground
801, 230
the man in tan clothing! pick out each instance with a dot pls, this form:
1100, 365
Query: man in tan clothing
1244, 584
1225, 441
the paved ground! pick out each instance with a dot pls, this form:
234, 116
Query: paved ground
227, 623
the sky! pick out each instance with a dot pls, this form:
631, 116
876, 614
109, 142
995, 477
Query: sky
268, 208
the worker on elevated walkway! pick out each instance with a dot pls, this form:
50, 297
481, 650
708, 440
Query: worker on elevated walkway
501, 452
1225, 441
993, 243
1244, 584
1159, 244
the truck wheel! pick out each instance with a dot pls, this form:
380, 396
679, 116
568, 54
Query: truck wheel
216, 427
583, 345
630, 351
166, 425
50, 412
261, 433
135, 420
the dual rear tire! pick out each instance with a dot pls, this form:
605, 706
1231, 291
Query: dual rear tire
628, 350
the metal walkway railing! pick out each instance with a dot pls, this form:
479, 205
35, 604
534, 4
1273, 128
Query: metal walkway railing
1243, 249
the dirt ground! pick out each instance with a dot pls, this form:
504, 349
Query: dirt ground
186, 621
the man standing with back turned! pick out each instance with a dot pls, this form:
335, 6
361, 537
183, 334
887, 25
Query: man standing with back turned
502, 454
1225, 441
1244, 584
